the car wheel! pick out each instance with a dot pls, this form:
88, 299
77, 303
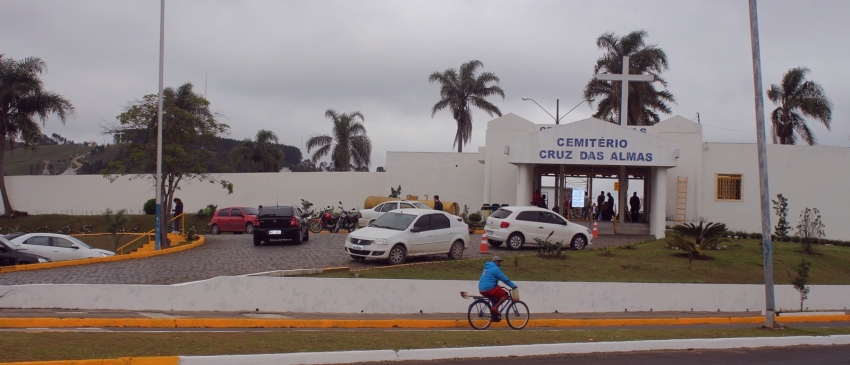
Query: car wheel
249, 228
515, 241
298, 238
356, 258
306, 235
579, 242
257, 241
215, 230
397, 255
494, 243
456, 252
315, 226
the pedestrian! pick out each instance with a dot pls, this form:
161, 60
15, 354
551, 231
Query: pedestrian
634, 203
610, 202
595, 211
178, 210
599, 201
438, 205
568, 204
536, 199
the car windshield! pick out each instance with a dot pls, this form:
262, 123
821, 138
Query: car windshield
421, 205
7, 243
250, 211
285, 211
501, 214
75, 240
396, 221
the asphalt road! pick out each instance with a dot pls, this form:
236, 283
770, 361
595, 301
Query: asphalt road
231, 255
821, 355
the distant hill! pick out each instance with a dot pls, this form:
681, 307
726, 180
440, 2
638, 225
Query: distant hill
29, 162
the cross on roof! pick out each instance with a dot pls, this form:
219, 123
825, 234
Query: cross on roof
625, 77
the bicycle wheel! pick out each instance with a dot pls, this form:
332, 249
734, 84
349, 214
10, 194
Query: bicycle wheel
479, 315
517, 315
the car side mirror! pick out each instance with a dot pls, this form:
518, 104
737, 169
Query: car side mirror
415, 230
75, 247
372, 223
305, 215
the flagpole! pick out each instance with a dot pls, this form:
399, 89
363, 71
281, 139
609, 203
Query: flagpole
158, 178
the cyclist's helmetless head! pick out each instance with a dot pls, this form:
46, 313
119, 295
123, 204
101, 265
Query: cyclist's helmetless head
497, 260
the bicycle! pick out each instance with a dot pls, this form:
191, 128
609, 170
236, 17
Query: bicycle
479, 315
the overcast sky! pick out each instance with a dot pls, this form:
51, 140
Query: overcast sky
279, 65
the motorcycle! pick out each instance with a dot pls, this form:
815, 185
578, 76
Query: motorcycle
347, 220
325, 220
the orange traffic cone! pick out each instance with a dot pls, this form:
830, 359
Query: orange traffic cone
484, 244
595, 230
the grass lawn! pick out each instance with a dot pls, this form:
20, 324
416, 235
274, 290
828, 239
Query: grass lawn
43, 346
648, 262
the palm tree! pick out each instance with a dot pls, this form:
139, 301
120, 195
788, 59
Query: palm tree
644, 100
349, 146
459, 91
22, 97
259, 155
796, 98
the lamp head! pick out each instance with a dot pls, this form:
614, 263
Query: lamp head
524, 98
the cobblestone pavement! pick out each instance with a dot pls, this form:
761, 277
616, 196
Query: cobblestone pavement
229, 255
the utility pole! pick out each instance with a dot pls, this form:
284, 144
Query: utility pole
767, 245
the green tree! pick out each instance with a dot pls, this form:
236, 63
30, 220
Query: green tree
801, 280
780, 206
645, 101
459, 91
259, 155
115, 224
348, 144
696, 239
797, 98
22, 98
189, 131
810, 229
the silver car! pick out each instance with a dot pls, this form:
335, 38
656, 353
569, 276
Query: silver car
517, 226
55, 246
369, 215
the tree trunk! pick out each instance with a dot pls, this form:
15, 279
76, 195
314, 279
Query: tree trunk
460, 147
7, 205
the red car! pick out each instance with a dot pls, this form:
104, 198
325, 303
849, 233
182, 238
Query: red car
234, 219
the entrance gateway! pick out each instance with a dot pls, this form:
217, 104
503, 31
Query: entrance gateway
594, 148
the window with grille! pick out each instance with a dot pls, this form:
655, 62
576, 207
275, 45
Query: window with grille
728, 187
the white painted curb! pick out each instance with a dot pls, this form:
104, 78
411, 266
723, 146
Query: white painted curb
517, 350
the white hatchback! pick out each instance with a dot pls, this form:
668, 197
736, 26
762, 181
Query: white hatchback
369, 215
517, 226
404, 233
55, 246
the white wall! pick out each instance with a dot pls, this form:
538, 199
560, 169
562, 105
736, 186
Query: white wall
92, 194
455, 177
315, 295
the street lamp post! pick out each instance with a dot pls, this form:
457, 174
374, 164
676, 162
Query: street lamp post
559, 180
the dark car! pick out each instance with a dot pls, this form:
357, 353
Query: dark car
9, 255
281, 222
234, 219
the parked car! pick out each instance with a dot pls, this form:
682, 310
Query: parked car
404, 233
55, 246
520, 225
369, 215
279, 222
9, 255
234, 219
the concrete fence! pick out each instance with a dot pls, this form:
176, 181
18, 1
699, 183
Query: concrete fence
321, 295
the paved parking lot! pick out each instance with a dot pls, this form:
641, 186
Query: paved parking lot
229, 255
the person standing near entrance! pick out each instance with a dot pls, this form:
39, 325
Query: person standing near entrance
537, 199
599, 201
634, 204
610, 202
438, 205
178, 210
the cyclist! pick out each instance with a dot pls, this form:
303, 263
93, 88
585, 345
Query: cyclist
488, 285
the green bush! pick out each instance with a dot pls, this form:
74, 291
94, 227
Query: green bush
474, 217
206, 213
150, 207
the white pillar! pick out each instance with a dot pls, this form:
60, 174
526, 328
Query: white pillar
525, 184
658, 216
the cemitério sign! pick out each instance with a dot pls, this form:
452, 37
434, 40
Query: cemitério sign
592, 142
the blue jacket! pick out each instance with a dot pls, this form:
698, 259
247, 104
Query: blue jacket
490, 277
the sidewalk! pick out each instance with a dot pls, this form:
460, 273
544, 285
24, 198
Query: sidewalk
56, 318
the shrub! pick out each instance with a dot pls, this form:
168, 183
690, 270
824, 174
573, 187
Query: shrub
548, 249
191, 234
780, 206
810, 229
475, 217
206, 213
756, 236
150, 207
801, 280
115, 224
695, 239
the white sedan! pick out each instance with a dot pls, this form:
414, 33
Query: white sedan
369, 215
55, 246
404, 233
517, 226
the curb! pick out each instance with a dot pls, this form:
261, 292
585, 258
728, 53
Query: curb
347, 357
382, 323
130, 256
